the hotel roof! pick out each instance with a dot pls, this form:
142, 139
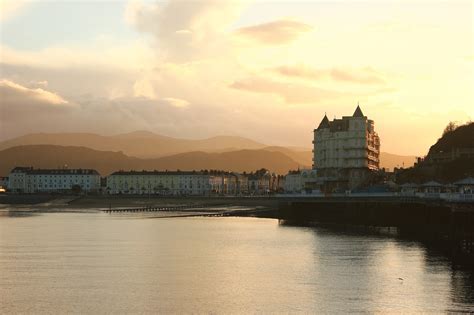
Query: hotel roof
339, 124
62, 171
177, 172
324, 123
358, 112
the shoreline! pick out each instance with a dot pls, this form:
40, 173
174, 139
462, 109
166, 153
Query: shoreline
441, 225
262, 207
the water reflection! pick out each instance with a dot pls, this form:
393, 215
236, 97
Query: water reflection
462, 292
390, 269
17, 213
95, 263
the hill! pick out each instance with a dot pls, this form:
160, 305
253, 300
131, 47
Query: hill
53, 156
303, 157
461, 137
141, 144
390, 161
147, 145
387, 160
451, 158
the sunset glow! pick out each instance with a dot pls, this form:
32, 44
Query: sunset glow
258, 69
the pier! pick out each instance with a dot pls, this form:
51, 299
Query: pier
447, 224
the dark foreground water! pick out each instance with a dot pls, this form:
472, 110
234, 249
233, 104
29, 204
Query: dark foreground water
97, 263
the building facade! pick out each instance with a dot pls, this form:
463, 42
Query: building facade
293, 183
4, 182
346, 150
305, 180
223, 183
260, 182
158, 183
242, 183
17, 179
197, 183
449, 156
30, 180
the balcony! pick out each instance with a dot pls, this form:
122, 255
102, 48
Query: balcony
372, 148
373, 158
373, 167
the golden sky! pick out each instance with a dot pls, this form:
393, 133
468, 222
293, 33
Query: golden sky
264, 70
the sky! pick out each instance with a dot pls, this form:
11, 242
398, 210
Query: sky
266, 70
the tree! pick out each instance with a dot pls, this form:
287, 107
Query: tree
450, 127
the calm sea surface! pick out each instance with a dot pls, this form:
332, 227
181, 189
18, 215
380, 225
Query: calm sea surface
99, 263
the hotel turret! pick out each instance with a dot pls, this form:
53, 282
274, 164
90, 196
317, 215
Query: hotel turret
345, 150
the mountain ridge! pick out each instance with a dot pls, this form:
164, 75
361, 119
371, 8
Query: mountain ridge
148, 145
141, 144
106, 162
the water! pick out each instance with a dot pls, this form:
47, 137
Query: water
98, 263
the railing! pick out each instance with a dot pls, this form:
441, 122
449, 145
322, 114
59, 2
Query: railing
373, 158
445, 196
372, 148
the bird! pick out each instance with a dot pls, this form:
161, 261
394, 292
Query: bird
401, 279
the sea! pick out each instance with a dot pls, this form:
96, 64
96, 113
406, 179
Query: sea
95, 263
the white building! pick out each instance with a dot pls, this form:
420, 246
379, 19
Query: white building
158, 183
345, 150
30, 180
223, 183
301, 180
17, 179
172, 183
242, 183
260, 182
293, 183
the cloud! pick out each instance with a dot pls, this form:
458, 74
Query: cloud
21, 107
360, 76
364, 76
274, 33
300, 71
173, 114
17, 95
292, 93
176, 102
184, 30
8, 8
42, 83
170, 115
75, 82
114, 54
144, 88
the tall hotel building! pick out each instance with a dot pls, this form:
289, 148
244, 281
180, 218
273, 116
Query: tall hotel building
345, 151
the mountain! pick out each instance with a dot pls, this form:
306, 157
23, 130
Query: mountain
387, 160
303, 157
147, 145
390, 161
141, 144
53, 156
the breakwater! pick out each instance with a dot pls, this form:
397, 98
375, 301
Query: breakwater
156, 208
